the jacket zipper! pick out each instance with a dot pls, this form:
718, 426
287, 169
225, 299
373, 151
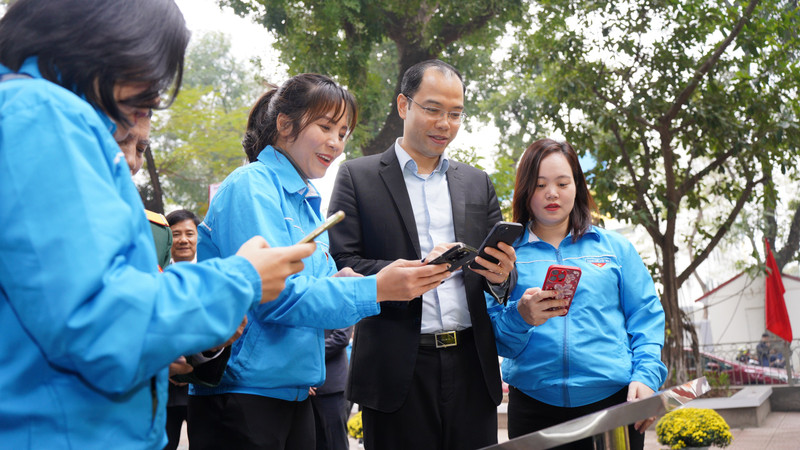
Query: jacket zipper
566, 345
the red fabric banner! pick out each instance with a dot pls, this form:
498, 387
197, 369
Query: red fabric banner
777, 316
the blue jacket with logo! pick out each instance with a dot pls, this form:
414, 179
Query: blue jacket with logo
612, 334
88, 323
282, 351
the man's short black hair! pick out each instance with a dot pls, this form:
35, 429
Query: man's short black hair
179, 215
413, 76
88, 46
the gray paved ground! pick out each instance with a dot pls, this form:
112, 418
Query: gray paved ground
781, 431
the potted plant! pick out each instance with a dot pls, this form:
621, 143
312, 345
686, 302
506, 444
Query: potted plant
693, 428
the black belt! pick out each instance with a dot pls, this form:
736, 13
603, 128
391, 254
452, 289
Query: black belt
445, 338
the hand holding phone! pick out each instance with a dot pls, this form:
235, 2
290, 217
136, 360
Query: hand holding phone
507, 232
332, 220
456, 256
563, 280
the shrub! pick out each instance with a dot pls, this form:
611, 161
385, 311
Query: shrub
693, 427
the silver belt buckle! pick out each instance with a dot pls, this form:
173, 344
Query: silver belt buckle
446, 339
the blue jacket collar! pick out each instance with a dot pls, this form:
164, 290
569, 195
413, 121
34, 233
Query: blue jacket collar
529, 237
29, 67
291, 181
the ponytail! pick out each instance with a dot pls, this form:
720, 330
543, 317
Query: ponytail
261, 128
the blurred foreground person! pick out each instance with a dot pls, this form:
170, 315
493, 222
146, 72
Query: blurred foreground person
134, 141
88, 323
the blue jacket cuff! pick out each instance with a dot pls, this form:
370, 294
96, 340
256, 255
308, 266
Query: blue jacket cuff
250, 273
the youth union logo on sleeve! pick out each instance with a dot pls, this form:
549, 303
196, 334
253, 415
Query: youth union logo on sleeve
598, 261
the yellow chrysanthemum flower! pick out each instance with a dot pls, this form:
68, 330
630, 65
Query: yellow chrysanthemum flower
355, 428
693, 427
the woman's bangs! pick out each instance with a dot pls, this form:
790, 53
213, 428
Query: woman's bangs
334, 103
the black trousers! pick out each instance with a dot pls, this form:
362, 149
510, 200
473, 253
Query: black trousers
176, 415
447, 407
527, 415
330, 417
244, 421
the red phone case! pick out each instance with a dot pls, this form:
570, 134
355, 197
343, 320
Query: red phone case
564, 280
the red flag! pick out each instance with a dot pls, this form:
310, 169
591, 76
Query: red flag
777, 316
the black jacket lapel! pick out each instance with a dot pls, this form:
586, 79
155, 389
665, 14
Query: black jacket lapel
458, 200
392, 176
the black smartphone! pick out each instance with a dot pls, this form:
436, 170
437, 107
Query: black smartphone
332, 220
507, 232
456, 256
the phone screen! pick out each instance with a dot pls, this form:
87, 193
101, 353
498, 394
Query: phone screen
332, 220
506, 232
456, 256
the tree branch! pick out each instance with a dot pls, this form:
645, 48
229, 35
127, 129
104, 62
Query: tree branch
452, 32
696, 227
792, 241
683, 126
689, 183
155, 204
700, 257
624, 111
651, 225
704, 68
646, 159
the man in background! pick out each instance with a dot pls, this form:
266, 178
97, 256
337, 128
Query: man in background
183, 225
762, 350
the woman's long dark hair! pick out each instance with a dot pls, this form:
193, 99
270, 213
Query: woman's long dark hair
303, 99
88, 46
580, 218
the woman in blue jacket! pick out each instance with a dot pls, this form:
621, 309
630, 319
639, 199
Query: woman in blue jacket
294, 133
89, 325
607, 348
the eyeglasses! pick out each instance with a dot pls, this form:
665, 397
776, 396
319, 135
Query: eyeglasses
455, 117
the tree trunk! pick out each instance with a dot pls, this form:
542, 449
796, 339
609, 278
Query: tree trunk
391, 130
409, 54
672, 353
791, 244
155, 200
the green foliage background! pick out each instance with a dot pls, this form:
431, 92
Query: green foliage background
198, 140
367, 45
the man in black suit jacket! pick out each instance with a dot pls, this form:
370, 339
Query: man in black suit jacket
426, 372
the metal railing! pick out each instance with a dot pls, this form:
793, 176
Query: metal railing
608, 428
742, 363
